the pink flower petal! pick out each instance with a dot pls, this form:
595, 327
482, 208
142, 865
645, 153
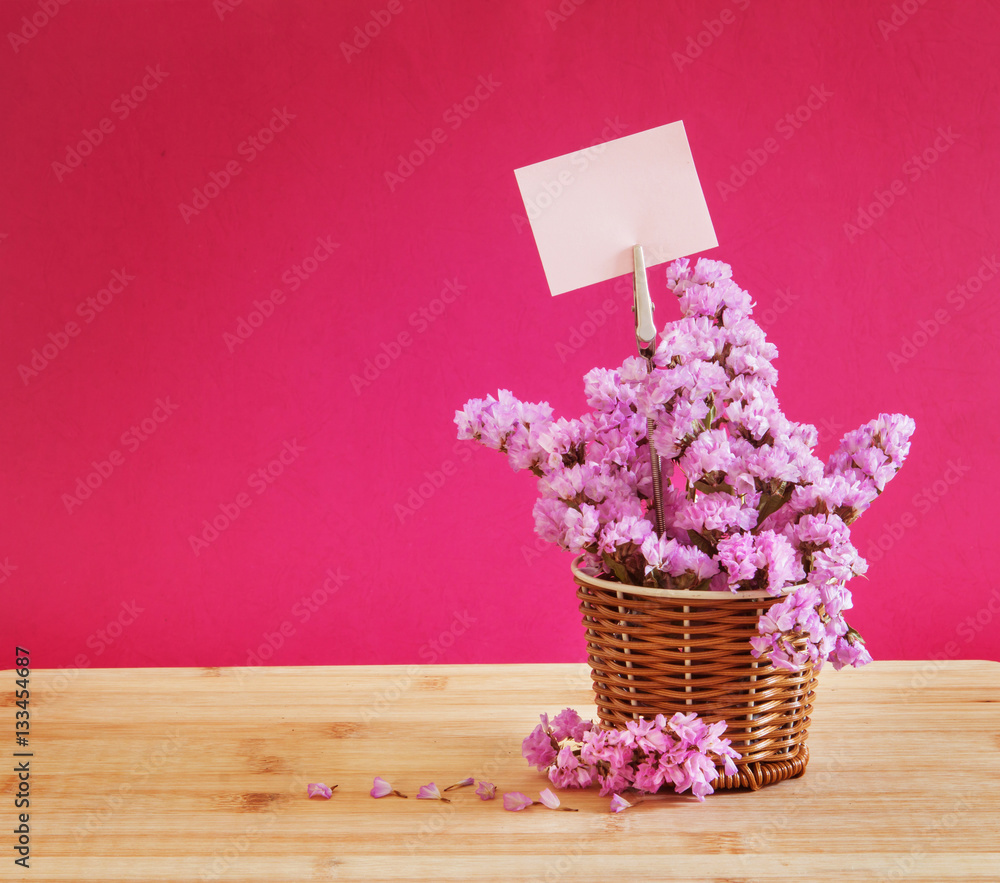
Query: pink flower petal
429, 792
381, 788
470, 780
549, 799
318, 789
619, 803
515, 801
486, 791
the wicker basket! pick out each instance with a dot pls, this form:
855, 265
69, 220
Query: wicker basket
656, 651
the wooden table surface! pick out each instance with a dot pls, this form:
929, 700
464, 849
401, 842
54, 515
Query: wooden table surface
194, 774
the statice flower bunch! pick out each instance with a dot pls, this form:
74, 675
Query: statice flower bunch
747, 504
646, 756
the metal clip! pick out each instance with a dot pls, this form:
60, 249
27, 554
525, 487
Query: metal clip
645, 339
642, 306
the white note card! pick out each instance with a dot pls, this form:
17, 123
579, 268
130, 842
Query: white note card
587, 209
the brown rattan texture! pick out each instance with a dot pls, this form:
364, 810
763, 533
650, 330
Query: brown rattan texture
660, 655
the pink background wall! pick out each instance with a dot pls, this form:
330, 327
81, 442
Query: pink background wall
329, 559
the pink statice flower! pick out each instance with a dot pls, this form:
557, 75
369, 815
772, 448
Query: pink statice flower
747, 503
649, 754
506, 425
708, 457
696, 773
688, 727
738, 557
627, 529
646, 735
539, 748
716, 512
581, 527
666, 557
874, 453
849, 651
550, 518
650, 776
778, 560
798, 630
569, 725
568, 772
783, 566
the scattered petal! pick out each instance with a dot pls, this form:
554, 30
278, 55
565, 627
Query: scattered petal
430, 792
318, 789
549, 799
618, 803
461, 784
486, 791
515, 801
382, 788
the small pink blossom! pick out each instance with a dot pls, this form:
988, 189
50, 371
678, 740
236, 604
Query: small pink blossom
569, 725
549, 799
568, 772
515, 801
649, 777
318, 789
430, 792
486, 791
688, 726
381, 788
619, 803
537, 747
468, 781
647, 735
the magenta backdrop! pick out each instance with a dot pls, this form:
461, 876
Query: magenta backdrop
218, 259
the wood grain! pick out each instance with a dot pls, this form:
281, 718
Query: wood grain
200, 774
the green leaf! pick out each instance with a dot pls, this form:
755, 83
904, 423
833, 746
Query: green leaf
773, 502
719, 488
617, 568
701, 542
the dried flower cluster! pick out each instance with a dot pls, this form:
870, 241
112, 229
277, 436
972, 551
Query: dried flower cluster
747, 503
645, 756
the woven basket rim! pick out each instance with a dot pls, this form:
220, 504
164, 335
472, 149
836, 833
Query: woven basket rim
648, 591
